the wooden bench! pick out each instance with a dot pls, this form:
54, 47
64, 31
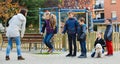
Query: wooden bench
28, 38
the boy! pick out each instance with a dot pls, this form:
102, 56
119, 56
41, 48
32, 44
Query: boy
108, 37
71, 28
82, 37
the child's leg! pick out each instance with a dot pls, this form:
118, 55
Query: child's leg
70, 43
74, 43
18, 44
45, 40
9, 46
48, 41
83, 48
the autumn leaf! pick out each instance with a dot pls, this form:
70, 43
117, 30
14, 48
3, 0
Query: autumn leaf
8, 9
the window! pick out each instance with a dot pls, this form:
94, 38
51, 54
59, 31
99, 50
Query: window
116, 28
114, 15
113, 1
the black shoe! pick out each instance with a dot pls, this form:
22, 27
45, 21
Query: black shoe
21, 58
68, 55
82, 56
7, 58
73, 55
109, 55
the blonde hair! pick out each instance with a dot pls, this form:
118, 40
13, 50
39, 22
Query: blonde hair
52, 21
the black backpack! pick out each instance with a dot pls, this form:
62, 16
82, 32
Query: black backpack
55, 30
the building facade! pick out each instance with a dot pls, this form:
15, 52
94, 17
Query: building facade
112, 10
79, 4
68, 3
101, 9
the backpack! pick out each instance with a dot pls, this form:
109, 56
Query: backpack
55, 30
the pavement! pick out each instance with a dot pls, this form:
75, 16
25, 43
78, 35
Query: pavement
58, 57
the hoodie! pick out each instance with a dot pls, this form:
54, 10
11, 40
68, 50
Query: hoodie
16, 26
108, 32
47, 26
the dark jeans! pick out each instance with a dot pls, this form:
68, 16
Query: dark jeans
83, 47
72, 40
47, 39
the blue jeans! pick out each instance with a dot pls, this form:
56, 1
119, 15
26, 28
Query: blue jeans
83, 47
18, 43
47, 39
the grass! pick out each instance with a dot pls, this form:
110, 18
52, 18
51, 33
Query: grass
46, 53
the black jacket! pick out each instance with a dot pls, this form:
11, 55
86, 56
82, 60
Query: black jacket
100, 41
81, 31
71, 26
108, 32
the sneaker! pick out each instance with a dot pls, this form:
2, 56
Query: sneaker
21, 58
68, 55
7, 58
50, 50
84, 56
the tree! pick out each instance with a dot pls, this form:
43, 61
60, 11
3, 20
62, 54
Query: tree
52, 3
8, 9
33, 9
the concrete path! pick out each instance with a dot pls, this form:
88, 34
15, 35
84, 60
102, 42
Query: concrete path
33, 58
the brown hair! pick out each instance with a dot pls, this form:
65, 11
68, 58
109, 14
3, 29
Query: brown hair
82, 19
71, 13
109, 20
23, 11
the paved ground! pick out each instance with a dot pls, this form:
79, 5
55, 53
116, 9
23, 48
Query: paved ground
32, 58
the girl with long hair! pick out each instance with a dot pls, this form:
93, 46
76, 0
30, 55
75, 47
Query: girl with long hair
49, 25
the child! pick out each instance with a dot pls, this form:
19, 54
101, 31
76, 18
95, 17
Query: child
99, 40
50, 25
108, 37
82, 37
16, 30
71, 28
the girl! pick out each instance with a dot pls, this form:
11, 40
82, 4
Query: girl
99, 40
50, 25
15, 30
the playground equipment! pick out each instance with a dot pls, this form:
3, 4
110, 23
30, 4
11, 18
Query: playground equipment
61, 15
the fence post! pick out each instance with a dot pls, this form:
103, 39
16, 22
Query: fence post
64, 42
